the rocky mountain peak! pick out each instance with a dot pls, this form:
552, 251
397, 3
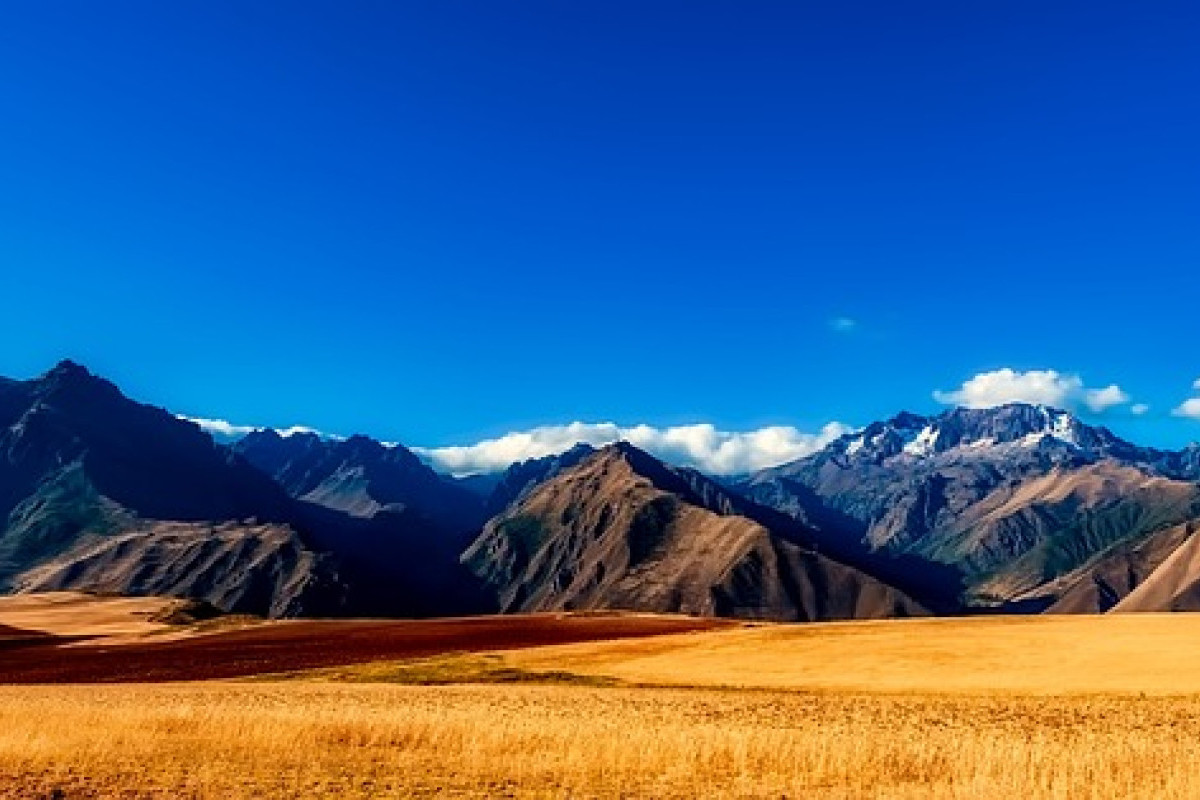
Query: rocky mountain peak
70, 382
976, 429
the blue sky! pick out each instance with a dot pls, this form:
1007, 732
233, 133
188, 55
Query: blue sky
442, 221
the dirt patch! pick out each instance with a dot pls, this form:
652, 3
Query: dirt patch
312, 644
16, 638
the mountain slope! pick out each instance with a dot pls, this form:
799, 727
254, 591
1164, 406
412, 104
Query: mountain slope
622, 530
81, 466
1158, 573
262, 568
521, 478
1013, 498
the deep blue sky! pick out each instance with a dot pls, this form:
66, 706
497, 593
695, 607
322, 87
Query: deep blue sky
439, 220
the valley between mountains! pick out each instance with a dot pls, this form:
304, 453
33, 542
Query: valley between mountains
1016, 509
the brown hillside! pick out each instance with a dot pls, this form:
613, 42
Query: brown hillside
622, 530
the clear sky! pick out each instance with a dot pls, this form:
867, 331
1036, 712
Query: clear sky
441, 221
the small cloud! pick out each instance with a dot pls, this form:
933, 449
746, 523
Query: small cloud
702, 446
1046, 387
1188, 408
1100, 400
221, 429
843, 324
1139, 409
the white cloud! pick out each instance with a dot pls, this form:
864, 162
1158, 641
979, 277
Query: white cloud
701, 446
1041, 387
1188, 408
1100, 400
1139, 409
843, 324
220, 428
224, 431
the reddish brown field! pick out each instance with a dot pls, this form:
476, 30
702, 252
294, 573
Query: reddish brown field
295, 645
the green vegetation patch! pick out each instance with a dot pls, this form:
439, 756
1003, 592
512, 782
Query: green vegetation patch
442, 670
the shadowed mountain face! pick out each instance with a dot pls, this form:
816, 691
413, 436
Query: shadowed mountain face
137, 456
83, 468
1013, 498
620, 529
397, 526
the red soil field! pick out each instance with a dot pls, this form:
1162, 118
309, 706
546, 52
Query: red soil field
308, 644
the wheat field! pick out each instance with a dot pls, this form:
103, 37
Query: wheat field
306, 739
1064, 708
1114, 654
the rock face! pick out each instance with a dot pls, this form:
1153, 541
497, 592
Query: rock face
262, 568
1012, 498
520, 479
622, 530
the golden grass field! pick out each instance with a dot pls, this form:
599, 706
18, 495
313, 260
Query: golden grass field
1035, 655
1071, 707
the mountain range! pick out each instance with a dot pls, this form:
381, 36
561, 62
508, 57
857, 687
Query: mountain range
1016, 509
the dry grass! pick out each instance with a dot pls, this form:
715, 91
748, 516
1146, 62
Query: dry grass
285, 740
945, 736
79, 614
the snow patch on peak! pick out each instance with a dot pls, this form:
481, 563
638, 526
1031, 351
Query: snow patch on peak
924, 443
1061, 428
1057, 425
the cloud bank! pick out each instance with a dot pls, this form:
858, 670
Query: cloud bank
227, 431
701, 446
1042, 387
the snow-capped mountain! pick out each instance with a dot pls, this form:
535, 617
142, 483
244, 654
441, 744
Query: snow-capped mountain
1010, 497
985, 431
